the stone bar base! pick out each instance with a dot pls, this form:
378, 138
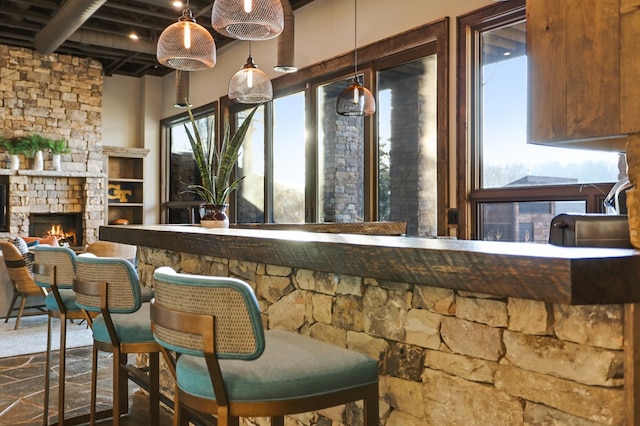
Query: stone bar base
447, 357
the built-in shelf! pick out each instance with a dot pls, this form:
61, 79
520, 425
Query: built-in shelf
124, 184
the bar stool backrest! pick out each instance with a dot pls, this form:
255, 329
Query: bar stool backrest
238, 326
64, 260
17, 268
123, 294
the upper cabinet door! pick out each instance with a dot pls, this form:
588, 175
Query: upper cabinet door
581, 69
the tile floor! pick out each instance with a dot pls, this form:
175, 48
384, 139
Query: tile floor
22, 390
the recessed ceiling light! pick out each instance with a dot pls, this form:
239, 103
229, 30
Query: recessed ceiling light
177, 4
133, 36
506, 54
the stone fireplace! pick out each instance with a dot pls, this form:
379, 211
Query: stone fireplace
57, 96
38, 199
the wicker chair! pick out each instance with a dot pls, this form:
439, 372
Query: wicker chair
54, 270
230, 367
23, 284
122, 251
108, 287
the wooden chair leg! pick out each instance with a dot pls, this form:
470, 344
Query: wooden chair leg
120, 386
371, 408
13, 302
47, 374
94, 384
61, 367
23, 302
277, 421
154, 387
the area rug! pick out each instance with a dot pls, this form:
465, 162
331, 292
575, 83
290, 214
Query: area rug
31, 336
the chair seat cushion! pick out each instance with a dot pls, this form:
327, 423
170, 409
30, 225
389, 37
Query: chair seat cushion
131, 328
68, 298
292, 366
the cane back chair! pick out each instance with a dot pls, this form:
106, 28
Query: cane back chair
54, 270
23, 284
109, 288
229, 367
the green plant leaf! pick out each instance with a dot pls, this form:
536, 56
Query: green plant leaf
216, 166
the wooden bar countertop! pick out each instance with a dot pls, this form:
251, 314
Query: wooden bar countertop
568, 275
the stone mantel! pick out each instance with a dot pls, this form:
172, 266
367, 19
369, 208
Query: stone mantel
51, 173
565, 275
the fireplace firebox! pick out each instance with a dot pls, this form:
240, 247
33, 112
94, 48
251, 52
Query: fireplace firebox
66, 227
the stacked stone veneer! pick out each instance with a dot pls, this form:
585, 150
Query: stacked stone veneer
445, 357
58, 96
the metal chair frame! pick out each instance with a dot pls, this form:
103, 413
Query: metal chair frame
122, 371
228, 411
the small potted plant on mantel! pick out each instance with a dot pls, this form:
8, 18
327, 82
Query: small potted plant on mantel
14, 149
57, 148
33, 147
215, 168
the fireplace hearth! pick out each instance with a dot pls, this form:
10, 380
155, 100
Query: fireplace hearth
66, 227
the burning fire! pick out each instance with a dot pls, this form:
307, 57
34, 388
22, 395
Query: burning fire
62, 236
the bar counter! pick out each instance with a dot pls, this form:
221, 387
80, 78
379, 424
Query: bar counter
542, 272
465, 332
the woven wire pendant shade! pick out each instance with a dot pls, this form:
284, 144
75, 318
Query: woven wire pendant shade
186, 45
250, 85
355, 100
248, 19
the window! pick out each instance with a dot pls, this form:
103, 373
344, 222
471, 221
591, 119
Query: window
340, 159
515, 188
289, 165
407, 145
302, 162
251, 164
178, 204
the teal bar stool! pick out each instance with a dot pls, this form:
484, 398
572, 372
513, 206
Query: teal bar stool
229, 367
108, 289
54, 270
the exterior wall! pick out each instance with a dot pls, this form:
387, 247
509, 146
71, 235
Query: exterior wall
445, 357
58, 96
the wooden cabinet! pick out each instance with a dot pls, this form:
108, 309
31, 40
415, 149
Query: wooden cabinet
583, 64
124, 184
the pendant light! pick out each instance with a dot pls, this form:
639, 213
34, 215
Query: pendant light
250, 85
355, 99
248, 19
186, 45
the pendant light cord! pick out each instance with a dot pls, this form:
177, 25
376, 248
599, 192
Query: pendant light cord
355, 37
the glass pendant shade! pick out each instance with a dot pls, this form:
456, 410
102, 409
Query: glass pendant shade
355, 100
186, 45
248, 19
250, 85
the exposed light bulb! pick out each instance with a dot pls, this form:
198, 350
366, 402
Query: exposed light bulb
250, 79
248, 6
356, 95
187, 36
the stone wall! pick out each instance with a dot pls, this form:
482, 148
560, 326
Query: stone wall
445, 357
57, 96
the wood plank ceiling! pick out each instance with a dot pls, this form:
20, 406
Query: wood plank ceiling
104, 36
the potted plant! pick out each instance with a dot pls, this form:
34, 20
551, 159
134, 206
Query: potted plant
57, 148
14, 148
215, 167
32, 147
